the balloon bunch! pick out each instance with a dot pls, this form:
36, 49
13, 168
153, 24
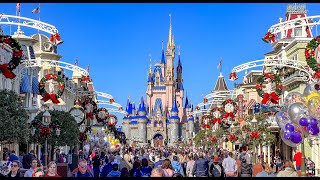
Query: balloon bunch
311, 124
103, 139
291, 134
299, 115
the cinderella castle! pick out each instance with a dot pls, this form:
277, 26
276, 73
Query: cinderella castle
163, 117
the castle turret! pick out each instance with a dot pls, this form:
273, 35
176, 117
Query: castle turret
126, 120
142, 122
174, 122
151, 78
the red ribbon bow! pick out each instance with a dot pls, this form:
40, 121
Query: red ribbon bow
6, 72
83, 137
232, 137
267, 75
86, 79
254, 135
52, 97
272, 96
233, 76
206, 126
214, 139
45, 132
111, 100
89, 115
229, 114
217, 120
205, 100
55, 36
269, 36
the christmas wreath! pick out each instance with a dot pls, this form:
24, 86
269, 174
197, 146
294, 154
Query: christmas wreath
7, 69
216, 113
269, 37
273, 96
90, 107
102, 114
229, 109
51, 96
112, 120
310, 56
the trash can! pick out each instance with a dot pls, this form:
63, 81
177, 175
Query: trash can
62, 169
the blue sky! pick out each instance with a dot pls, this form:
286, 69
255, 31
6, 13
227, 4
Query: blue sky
116, 39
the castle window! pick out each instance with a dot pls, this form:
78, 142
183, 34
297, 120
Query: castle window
155, 123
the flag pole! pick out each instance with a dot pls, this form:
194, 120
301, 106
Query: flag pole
39, 17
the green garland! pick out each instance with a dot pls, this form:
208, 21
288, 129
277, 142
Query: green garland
310, 55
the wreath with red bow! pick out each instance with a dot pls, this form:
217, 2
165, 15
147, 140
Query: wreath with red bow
86, 104
7, 69
47, 96
101, 117
112, 120
309, 53
214, 119
273, 96
269, 37
229, 114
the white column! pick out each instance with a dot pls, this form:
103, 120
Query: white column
269, 158
314, 152
264, 150
39, 152
317, 162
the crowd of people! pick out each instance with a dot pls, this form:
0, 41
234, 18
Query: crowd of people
148, 161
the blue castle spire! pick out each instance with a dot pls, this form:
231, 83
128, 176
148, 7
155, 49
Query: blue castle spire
142, 106
163, 61
174, 105
187, 104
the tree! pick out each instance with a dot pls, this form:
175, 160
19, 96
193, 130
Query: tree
13, 119
69, 131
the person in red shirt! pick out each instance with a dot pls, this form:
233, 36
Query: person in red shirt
52, 170
298, 158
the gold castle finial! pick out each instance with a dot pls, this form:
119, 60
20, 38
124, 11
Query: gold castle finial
171, 41
150, 67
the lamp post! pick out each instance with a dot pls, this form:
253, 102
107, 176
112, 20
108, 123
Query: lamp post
253, 123
303, 159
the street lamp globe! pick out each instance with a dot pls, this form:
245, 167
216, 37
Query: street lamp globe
46, 118
82, 127
254, 121
33, 131
58, 131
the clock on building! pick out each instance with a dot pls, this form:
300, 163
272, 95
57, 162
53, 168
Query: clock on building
78, 114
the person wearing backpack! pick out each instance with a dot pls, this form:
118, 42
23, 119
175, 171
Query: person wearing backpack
177, 166
215, 168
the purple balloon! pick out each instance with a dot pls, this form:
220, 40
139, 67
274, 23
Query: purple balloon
289, 127
296, 137
313, 121
314, 131
303, 121
287, 135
